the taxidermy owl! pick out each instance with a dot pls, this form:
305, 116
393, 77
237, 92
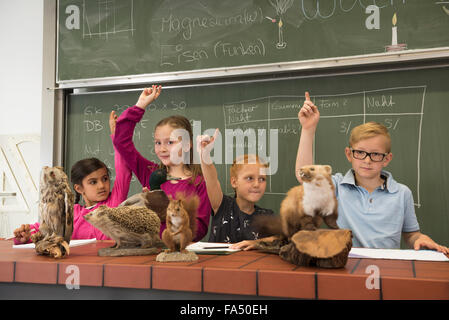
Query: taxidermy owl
155, 199
55, 213
129, 226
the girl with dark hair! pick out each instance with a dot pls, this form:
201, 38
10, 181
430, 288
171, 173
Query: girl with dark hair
91, 182
186, 177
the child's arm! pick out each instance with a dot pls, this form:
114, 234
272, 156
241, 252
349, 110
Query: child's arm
308, 117
203, 216
246, 245
214, 192
417, 240
123, 174
124, 131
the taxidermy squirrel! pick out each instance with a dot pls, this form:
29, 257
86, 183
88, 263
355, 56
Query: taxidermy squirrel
305, 206
181, 222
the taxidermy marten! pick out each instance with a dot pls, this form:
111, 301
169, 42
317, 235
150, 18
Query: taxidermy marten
181, 222
305, 206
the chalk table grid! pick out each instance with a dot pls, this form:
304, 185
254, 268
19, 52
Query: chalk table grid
341, 113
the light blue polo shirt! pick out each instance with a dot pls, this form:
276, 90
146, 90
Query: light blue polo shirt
377, 219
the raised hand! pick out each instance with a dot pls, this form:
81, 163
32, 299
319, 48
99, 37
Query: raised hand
148, 95
112, 121
204, 145
308, 115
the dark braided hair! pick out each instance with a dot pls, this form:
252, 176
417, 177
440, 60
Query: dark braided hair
83, 168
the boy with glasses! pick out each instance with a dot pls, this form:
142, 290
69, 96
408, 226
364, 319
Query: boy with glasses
370, 202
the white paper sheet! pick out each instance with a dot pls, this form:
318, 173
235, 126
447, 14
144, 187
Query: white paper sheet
398, 254
211, 247
73, 243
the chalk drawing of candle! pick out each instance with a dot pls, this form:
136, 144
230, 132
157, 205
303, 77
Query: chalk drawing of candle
281, 7
394, 37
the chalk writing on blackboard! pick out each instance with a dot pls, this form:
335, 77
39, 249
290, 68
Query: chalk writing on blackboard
340, 111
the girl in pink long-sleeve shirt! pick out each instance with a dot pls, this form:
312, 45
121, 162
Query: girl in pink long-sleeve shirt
90, 179
189, 179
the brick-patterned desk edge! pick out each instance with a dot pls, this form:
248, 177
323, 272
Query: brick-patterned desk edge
241, 273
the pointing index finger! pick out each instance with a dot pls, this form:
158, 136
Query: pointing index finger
216, 134
307, 96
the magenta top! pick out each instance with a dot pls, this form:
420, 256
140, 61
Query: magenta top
83, 229
143, 168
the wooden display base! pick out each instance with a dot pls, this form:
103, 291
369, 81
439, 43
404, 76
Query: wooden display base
121, 252
176, 256
321, 248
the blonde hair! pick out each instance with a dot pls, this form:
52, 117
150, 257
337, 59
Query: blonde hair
369, 130
181, 122
246, 159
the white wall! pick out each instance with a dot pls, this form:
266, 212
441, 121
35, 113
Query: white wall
21, 66
21, 38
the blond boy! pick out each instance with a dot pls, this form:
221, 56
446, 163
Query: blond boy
371, 203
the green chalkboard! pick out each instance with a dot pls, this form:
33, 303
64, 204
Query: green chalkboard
412, 104
116, 38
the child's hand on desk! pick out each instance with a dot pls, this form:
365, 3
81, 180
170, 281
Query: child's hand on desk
308, 115
425, 242
244, 245
23, 234
148, 95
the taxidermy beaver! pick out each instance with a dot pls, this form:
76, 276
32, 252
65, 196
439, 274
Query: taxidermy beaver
305, 206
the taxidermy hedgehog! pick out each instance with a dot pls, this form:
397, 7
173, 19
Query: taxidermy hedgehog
155, 199
55, 213
129, 226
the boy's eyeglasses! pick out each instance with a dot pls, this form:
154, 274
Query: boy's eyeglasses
374, 156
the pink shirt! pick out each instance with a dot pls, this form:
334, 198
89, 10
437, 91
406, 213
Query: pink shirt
143, 168
83, 229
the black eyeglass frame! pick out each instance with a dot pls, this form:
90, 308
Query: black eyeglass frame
368, 154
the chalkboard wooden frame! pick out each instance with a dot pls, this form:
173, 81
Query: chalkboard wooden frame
260, 69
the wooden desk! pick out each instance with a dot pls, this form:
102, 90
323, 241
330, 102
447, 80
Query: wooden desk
251, 274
